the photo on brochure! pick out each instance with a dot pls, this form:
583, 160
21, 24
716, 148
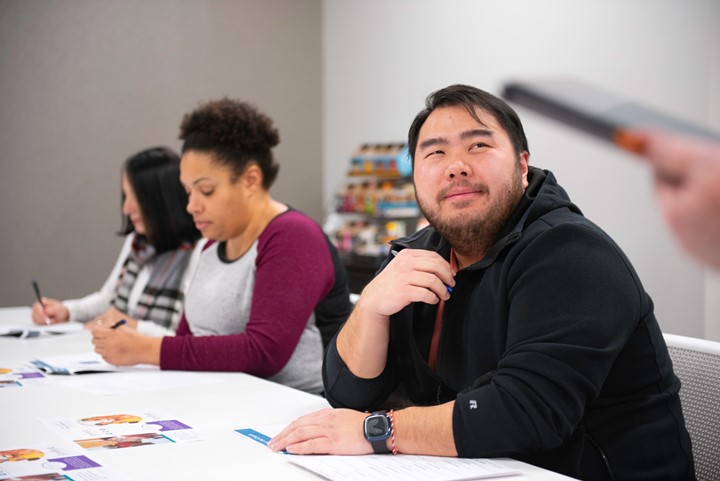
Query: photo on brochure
33, 462
123, 430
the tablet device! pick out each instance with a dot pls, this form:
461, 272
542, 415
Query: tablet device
596, 112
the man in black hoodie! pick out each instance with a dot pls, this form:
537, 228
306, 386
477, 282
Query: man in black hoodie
511, 326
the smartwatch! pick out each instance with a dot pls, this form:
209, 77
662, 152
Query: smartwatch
377, 429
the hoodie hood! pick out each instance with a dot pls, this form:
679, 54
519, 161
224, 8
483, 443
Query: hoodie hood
543, 195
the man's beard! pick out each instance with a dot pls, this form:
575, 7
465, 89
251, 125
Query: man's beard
471, 234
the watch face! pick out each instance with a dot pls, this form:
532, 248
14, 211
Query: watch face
377, 427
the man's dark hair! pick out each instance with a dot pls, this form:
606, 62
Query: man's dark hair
154, 175
235, 133
471, 98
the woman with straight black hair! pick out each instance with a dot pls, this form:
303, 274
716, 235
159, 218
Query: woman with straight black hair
147, 285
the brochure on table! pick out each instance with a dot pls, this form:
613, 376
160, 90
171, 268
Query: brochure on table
84, 363
125, 429
29, 331
20, 376
56, 462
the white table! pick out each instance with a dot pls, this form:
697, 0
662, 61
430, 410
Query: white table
235, 401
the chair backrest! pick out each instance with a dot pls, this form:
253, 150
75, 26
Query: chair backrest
697, 363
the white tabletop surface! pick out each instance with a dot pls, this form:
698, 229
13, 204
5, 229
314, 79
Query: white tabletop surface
231, 401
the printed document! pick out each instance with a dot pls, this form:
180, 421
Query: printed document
383, 467
57, 462
19, 376
403, 467
85, 363
28, 331
127, 429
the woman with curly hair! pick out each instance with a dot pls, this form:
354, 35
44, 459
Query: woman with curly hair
270, 281
147, 284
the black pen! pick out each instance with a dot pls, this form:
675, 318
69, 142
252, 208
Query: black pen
39, 298
118, 324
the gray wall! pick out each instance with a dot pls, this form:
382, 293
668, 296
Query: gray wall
85, 83
382, 58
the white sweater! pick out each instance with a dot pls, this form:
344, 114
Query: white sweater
89, 307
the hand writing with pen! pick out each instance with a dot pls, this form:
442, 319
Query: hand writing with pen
123, 346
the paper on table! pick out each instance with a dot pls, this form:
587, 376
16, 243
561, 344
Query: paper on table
259, 437
380, 467
56, 462
19, 376
123, 429
85, 363
29, 331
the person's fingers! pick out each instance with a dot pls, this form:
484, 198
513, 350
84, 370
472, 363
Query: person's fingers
425, 261
310, 446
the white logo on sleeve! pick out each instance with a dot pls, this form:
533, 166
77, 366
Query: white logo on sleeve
473, 404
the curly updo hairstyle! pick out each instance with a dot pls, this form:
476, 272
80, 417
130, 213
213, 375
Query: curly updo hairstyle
235, 133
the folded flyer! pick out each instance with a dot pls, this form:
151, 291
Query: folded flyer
19, 376
120, 430
85, 363
57, 462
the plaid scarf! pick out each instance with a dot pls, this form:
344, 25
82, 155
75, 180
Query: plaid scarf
162, 298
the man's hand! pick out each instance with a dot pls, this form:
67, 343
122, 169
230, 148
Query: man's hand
414, 275
418, 430
329, 431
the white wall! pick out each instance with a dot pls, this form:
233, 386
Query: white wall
381, 58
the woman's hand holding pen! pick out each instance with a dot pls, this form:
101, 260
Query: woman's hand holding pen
53, 312
110, 317
122, 346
